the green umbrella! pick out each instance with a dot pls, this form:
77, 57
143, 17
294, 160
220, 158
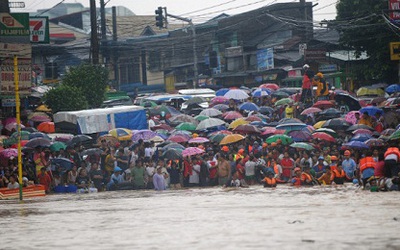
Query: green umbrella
148, 104
201, 117
302, 145
162, 131
284, 138
283, 101
217, 137
24, 135
395, 135
57, 146
186, 126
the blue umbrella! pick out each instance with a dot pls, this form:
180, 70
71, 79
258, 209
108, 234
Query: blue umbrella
261, 92
61, 164
393, 88
221, 92
291, 126
249, 106
259, 124
356, 145
371, 110
38, 135
361, 137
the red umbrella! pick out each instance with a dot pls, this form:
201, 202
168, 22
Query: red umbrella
272, 86
162, 126
219, 100
272, 131
323, 104
178, 138
323, 136
253, 118
247, 129
311, 110
231, 115
46, 127
23, 142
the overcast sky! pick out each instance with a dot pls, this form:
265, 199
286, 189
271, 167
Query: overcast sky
198, 10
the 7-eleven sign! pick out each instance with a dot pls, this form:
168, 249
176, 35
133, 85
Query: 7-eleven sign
39, 29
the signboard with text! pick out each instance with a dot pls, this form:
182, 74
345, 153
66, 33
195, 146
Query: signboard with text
395, 51
7, 76
265, 59
39, 29
14, 24
394, 9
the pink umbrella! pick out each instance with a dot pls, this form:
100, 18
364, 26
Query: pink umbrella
219, 100
199, 140
253, 118
362, 131
10, 120
272, 131
272, 86
178, 138
351, 117
225, 132
192, 151
12, 125
311, 110
9, 152
231, 115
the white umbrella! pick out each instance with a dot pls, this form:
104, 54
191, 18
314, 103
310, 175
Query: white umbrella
236, 94
209, 123
211, 112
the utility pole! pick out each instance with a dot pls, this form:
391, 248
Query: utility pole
94, 41
114, 51
103, 43
195, 66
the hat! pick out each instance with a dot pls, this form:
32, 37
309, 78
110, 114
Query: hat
117, 169
347, 153
264, 145
306, 66
273, 144
297, 169
225, 149
24, 179
334, 158
320, 75
241, 151
321, 158
195, 135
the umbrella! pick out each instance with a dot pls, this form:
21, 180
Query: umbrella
371, 110
183, 118
38, 142
248, 106
253, 118
219, 100
283, 101
23, 143
231, 115
225, 132
162, 126
184, 133
291, 126
375, 142
158, 139
178, 138
393, 88
61, 164
359, 126
247, 129
284, 138
121, 134
78, 139
37, 134
40, 118
343, 99
231, 139
57, 146
12, 126
43, 108
237, 122
323, 136
260, 93
25, 135
319, 124
327, 130
190, 151
8, 153
336, 124
236, 94
265, 110
217, 137
362, 131
92, 151
311, 110
199, 140
323, 104
211, 112
280, 94
351, 117
221, 92
395, 135
196, 99
46, 127
148, 104
209, 123
356, 145
144, 134
272, 131
309, 129
173, 145
330, 113
300, 136
302, 145
259, 124
272, 86
290, 120
201, 117
63, 137
388, 132
186, 126
221, 107
172, 154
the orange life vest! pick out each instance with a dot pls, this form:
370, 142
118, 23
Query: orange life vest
306, 176
367, 162
393, 150
338, 174
271, 182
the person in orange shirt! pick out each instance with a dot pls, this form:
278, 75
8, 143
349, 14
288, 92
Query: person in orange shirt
44, 179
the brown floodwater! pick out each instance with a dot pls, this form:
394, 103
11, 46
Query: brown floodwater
211, 218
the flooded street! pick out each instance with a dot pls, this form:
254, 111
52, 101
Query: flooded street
212, 218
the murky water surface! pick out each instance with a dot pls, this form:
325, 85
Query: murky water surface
212, 218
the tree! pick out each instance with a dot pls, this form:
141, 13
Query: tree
91, 79
65, 98
362, 27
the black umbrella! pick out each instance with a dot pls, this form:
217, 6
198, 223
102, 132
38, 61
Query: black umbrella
165, 143
347, 100
92, 151
79, 139
359, 126
38, 142
265, 110
329, 114
172, 154
280, 94
336, 124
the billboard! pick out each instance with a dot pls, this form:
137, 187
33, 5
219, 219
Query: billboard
7, 76
265, 59
14, 27
394, 9
39, 29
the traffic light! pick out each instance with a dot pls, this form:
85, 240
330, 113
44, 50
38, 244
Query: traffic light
159, 17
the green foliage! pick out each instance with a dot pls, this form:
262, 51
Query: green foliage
65, 98
91, 79
362, 27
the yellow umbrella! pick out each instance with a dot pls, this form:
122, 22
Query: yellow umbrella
121, 134
43, 108
231, 139
237, 122
319, 124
